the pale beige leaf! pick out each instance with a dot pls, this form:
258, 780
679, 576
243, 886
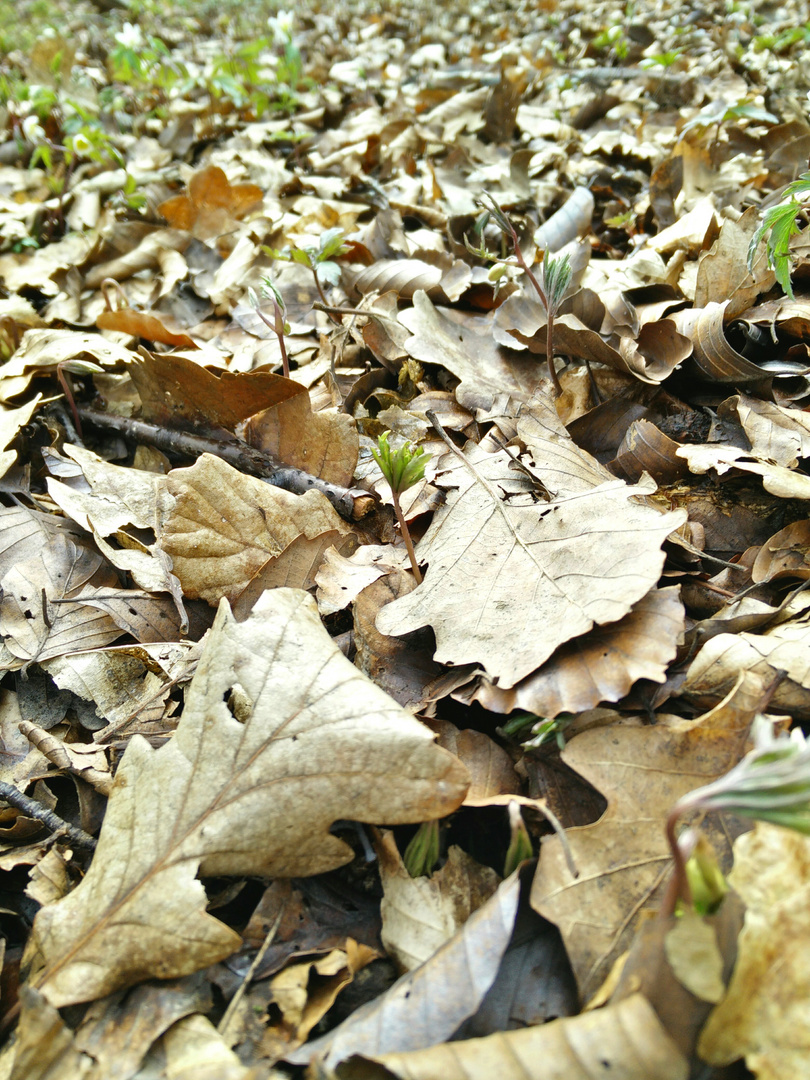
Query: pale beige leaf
764, 1016
428, 1004
782, 648
775, 433
694, 956
785, 483
510, 580
33, 626
44, 1048
193, 1049
625, 1040
420, 914
464, 345
224, 528
340, 579
280, 737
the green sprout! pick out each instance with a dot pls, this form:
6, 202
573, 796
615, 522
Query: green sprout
556, 274
520, 845
422, 853
402, 469
320, 260
542, 730
781, 222
279, 325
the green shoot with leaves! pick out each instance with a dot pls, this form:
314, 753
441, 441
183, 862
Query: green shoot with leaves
402, 469
279, 325
555, 274
422, 853
320, 260
771, 783
782, 223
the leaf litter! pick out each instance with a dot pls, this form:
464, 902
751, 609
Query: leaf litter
240, 245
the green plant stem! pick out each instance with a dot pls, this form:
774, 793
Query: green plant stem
406, 536
322, 294
538, 288
678, 888
555, 379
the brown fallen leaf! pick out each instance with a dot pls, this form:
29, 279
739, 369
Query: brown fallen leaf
212, 205
623, 859
223, 529
601, 665
544, 572
280, 737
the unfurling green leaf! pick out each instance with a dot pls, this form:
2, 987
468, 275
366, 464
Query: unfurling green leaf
520, 845
771, 783
401, 468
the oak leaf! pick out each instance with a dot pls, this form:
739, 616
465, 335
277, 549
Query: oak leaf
280, 737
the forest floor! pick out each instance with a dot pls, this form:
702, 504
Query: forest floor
404, 540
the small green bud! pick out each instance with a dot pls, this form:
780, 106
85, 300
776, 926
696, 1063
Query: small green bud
422, 853
401, 468
520, 845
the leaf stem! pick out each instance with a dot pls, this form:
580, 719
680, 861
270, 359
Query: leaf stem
406, 536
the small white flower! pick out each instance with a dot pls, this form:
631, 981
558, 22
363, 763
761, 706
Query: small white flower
81, 145
32, 129
282, 26
130, 37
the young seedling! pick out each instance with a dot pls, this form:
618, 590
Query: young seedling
771, 783
520, 844
279, 325
402, 469
555, 276
320, 260
422, 853
783, 222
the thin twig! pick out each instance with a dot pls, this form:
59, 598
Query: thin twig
14, 797
233, 1005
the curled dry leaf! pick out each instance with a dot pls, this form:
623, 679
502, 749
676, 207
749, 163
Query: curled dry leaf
280, 737
601, 665
715, 359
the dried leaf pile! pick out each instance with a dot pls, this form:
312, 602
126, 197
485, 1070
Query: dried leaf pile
228, 707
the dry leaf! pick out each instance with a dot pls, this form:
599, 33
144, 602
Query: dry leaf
280, 737
764, 1014
626, 1040
527, 559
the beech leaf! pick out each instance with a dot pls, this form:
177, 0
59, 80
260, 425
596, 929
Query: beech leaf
280, 737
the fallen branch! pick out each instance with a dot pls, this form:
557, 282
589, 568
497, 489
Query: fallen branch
350, 503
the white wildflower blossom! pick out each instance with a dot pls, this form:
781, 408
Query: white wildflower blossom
81, 145
32, 129
282, 26
131, 37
